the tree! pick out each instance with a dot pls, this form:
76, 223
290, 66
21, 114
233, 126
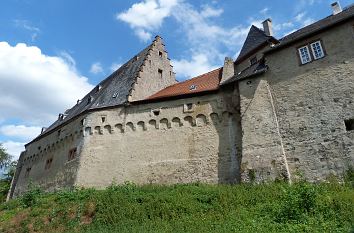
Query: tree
5, 158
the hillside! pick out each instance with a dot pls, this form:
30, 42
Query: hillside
276, 207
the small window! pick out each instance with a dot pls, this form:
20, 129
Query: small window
48, 163
103, 119
160, 54
115, 95
59, 132
72, 154
349, 124
304, 54
189, 106
89, 99
317, 50
193, 87
253, 60
160, 73
156, 112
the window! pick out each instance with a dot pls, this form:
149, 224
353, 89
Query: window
72, 154
48, 163
253, 60
317, 50
311, 51
189, 106
192, 87
103, 119
160, 73
304, 55
156, 112
349, 124
115, 95
160, 54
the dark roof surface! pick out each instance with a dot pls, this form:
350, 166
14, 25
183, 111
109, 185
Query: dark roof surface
112, 91
258, 68
255, 38
205, 82
309, 30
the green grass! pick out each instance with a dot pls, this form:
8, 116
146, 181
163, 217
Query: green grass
275, 207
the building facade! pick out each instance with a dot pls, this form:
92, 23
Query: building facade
282, 110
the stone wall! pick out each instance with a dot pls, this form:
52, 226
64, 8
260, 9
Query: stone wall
156, 73
61, 173
293, 116
176, 141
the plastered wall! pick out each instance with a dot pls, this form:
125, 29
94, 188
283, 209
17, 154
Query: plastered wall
163, 142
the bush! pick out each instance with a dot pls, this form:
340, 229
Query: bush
31, 197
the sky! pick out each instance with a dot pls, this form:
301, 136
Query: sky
53, 52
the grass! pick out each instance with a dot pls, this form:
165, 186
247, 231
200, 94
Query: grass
275, 207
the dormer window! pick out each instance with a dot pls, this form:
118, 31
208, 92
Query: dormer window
311, 51
192, 87
253, 60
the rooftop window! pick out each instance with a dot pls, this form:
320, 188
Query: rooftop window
192, 87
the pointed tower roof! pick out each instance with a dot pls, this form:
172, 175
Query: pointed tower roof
112, 91
255, 38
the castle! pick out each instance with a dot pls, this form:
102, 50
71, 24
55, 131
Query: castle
283, 108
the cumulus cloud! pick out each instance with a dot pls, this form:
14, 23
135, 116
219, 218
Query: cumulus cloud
147, 16
20, 131
209, 11
198, 64
96, 68
35, 87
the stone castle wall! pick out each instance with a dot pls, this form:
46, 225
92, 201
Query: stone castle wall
293, 116
177, 141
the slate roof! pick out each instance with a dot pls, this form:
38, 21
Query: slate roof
314, 28
113, 91
203, 83
255, 38
258, 68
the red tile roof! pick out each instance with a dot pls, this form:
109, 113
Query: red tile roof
205, 82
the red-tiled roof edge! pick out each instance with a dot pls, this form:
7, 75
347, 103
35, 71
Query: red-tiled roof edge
156, 96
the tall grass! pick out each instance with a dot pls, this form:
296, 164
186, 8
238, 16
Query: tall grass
276, 207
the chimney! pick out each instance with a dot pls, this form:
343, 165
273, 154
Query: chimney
228, 70
267, 27
336, 8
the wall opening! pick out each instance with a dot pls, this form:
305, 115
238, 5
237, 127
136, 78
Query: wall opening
160, 54
349, 124
156, 112
103, 119
48, 163
160, 73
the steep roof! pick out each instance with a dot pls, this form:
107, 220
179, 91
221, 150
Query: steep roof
112, 91
316, 27
258, 68
255, 38
202, 83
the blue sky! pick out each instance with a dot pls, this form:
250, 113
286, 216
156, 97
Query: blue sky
53, 52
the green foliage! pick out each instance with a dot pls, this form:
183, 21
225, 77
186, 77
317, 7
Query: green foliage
276, 207
31, 197
5, 158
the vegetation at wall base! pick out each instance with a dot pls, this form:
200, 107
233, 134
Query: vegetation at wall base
274, 207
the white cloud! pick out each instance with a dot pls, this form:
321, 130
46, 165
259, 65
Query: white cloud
25, 24
14, 148
115, 66
264, 11
96, 68
198, 64
211, 12
69, 59
20, 131
147, 15
35, 87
